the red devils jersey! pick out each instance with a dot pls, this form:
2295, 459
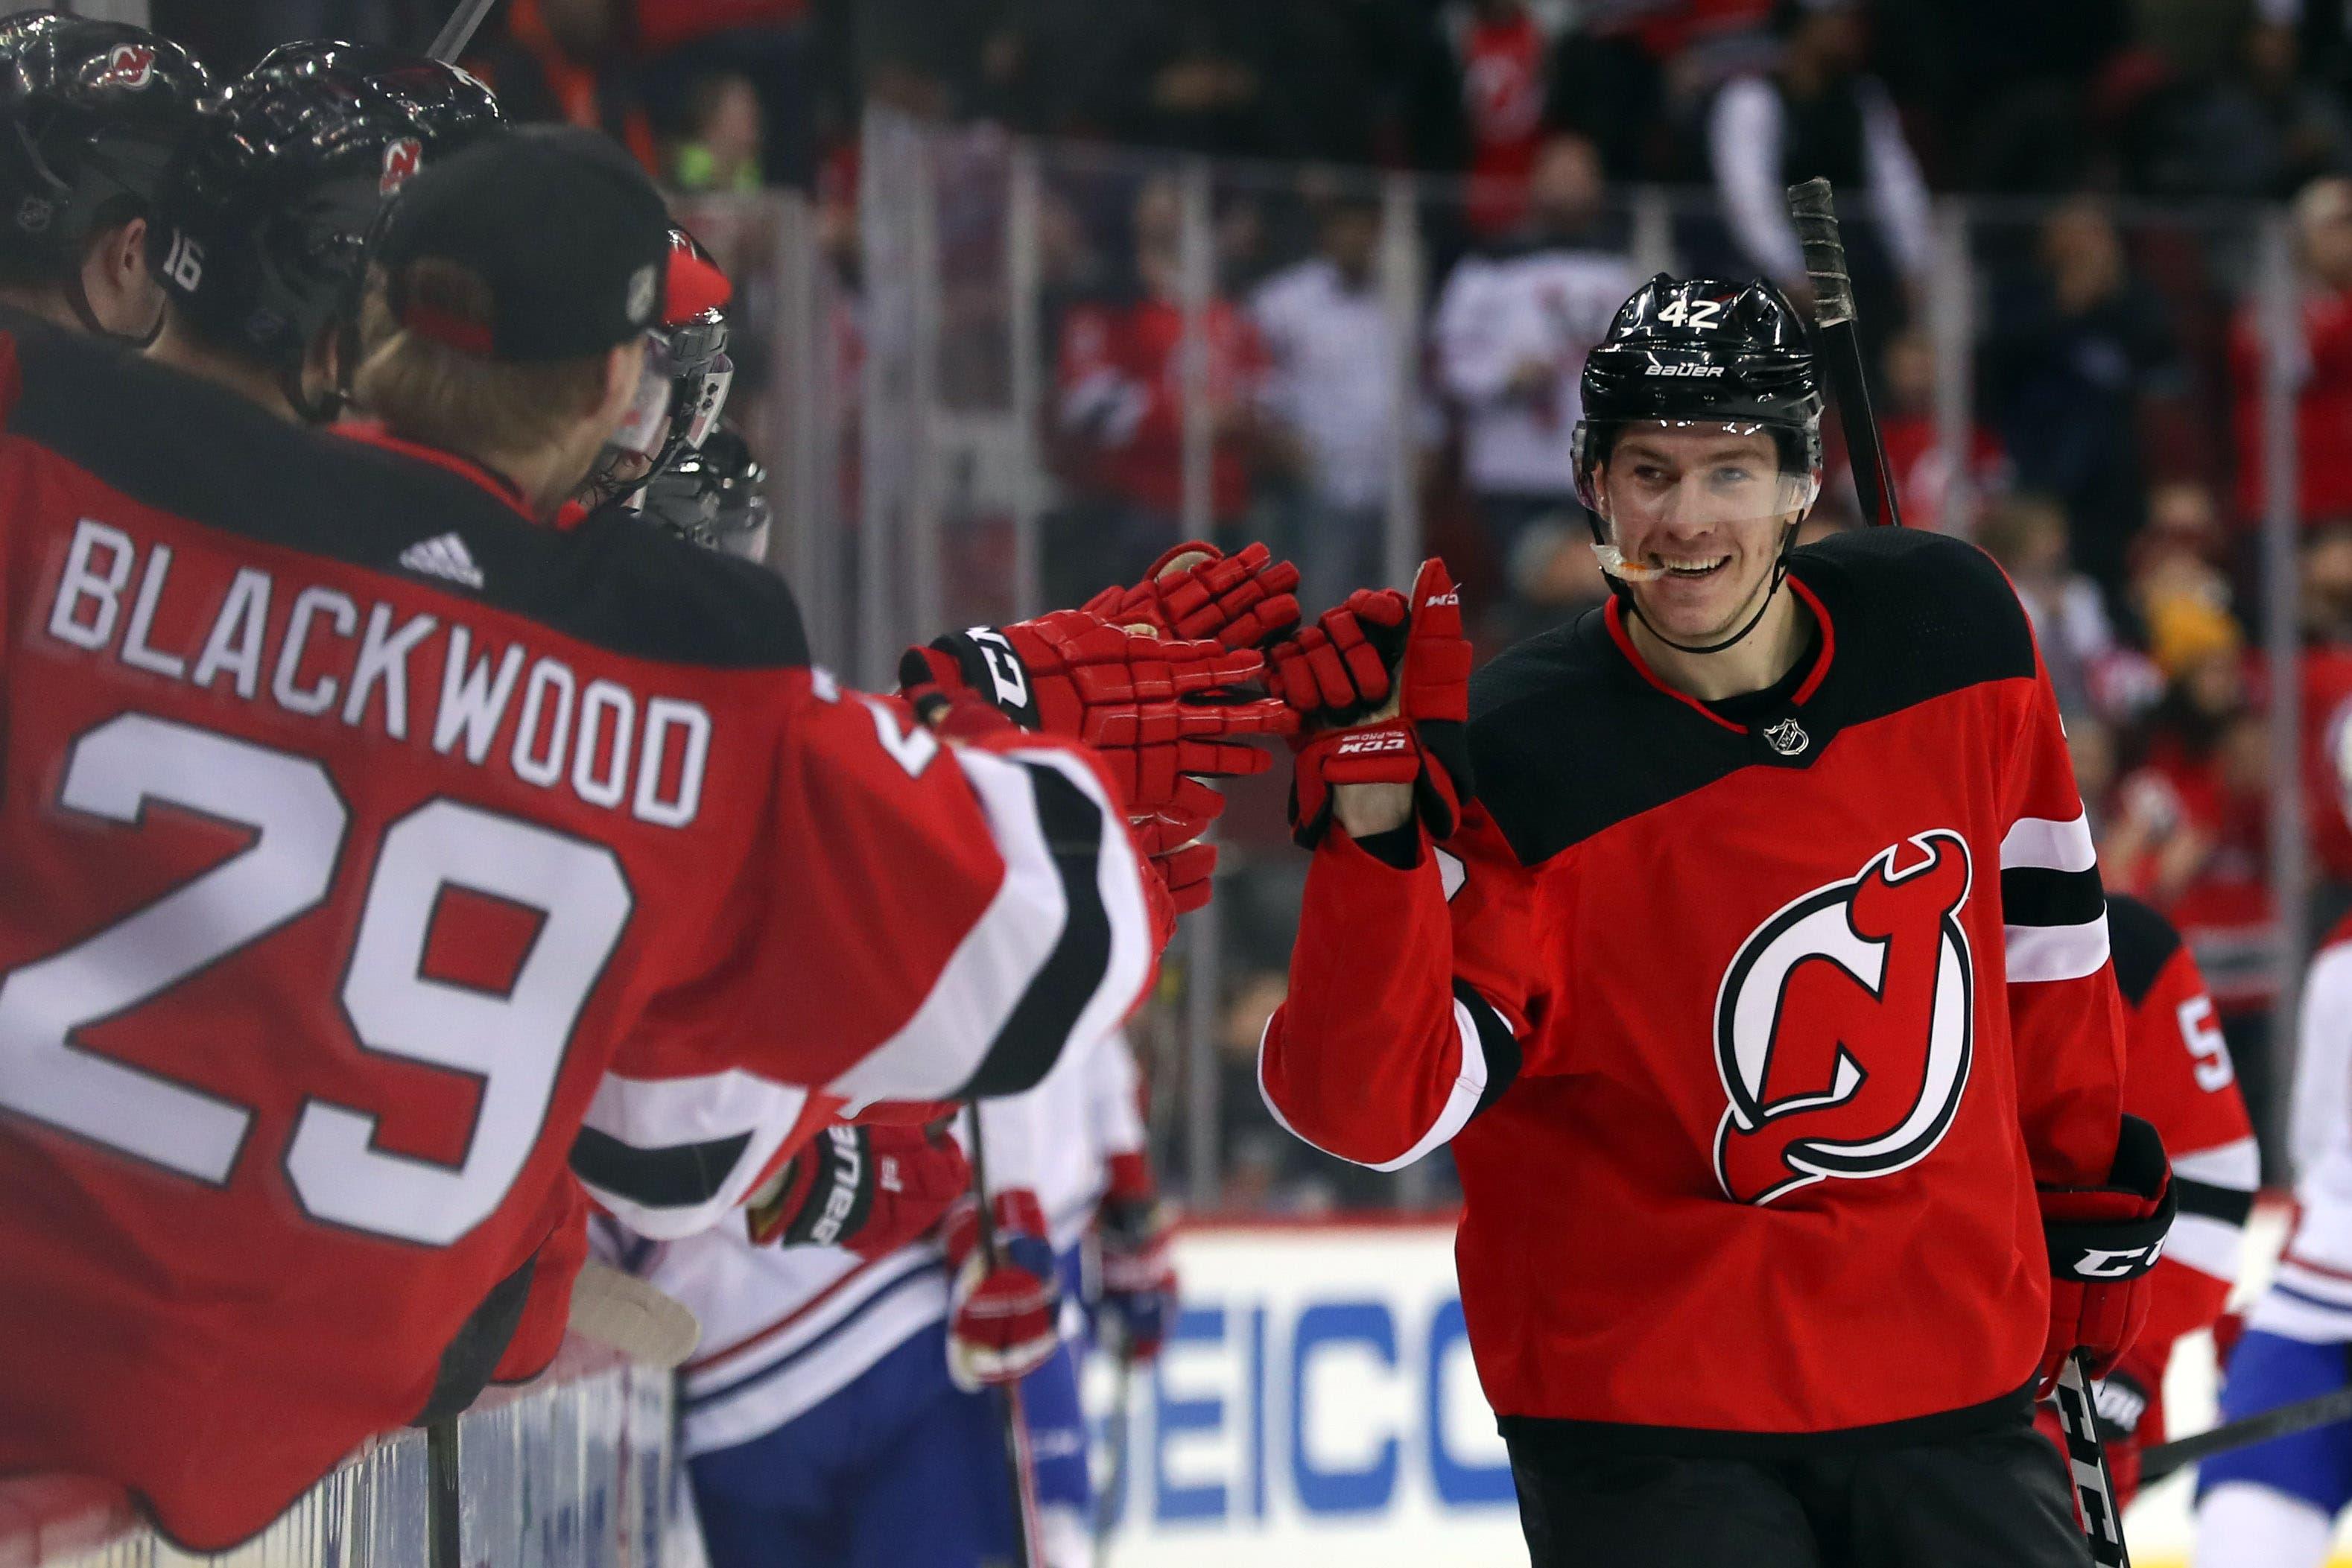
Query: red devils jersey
352, 825
2178, 1079
1752, 1036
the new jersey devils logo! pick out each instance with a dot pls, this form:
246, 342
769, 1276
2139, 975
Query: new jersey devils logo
131, 65
400, 161
1844, 1026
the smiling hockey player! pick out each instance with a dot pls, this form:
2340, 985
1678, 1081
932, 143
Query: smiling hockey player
1762, 991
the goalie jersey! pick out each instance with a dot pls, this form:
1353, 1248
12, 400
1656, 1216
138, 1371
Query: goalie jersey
356, 833
1752, 1026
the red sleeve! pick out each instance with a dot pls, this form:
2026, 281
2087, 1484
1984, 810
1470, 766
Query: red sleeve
2065, 1019
923, 921
2178, 1078
1410, 993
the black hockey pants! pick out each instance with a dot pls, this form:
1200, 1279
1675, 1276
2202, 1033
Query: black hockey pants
1995, 1500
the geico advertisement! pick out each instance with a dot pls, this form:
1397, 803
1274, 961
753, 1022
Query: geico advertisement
1318, 1389
1317, 1393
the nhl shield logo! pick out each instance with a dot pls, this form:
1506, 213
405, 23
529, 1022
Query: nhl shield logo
130, 66
400, 161
1788, 737
1844, 1026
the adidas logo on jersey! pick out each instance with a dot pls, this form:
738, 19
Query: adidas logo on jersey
446, 556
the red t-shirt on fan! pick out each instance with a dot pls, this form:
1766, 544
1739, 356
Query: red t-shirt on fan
1503, 104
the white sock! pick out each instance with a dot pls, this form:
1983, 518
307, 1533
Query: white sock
2240, 1524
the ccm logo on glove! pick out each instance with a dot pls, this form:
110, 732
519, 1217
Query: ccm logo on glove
2123, 1263
1366, 744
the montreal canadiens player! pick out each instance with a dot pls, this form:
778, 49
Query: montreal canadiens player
2276, 1504
837, 1415
1761, 990
2178, 1076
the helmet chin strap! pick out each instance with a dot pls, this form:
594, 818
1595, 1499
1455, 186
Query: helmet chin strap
1622, 574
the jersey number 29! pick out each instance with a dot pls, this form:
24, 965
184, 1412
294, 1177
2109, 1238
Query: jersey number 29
514, 1044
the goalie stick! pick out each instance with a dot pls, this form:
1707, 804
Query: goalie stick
1810, 209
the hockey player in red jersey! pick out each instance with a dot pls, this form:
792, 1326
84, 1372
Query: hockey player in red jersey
99, 111
2177, 1078
1762, 988
356, 818
259, 240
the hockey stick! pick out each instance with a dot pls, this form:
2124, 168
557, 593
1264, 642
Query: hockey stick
2283, 1421
442, 1537
2086, 1464
460, 30
1017, 1462
1122, 1438
1810, 211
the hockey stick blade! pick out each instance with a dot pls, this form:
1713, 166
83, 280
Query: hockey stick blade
2283, 1421
2086, 1467
632, 1316
460, 30
1814, 214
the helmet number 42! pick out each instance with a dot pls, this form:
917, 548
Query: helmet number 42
1699, 315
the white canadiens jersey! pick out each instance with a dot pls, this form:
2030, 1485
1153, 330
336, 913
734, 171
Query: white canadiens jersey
2311, 1296
784, 1328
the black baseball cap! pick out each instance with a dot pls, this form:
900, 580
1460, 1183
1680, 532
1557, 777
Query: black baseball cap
562, 224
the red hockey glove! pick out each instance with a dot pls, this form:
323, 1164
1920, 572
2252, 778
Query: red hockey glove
1243, 600
1156, 711
871, 1189
2103, 1240
1423, 682
1138, 1270
1004, 1319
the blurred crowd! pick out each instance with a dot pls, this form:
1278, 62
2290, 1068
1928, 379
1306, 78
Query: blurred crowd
2116, 372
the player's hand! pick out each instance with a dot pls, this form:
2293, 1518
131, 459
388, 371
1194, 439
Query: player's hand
2103, 1242
1383, 685
870, 1189
1004, 1316
1163, 715
1137, 1270
1242, 601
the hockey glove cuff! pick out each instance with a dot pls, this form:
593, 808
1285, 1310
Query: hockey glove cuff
1242, 601
1004, 1314
2103, 1242
871, 1189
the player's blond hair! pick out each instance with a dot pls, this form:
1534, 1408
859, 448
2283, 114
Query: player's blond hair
426, 391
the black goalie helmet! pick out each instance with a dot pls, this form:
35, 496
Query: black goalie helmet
1701, 352
97, 114
264, 233
713, 497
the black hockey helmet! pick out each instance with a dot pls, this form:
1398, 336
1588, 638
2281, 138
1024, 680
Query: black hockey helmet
712, 496
1703, 350
97, 114
264, 233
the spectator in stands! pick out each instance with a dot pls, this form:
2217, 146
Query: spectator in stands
719, 145
1332, 386
2326, 583
1121, 412
2323, 220
2260, 131
565, 60
1819, 113
1908, 425
2077, 345
1512, 327
2027, 535
1626, 74
1483, 109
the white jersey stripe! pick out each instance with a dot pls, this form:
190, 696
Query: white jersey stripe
2049, 844
2039, 953
1460, 1101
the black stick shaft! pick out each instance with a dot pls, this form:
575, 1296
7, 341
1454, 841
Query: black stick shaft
1810, 210
443, 1538
2086, 1465
1008, 1396
459, 31
2284, 1421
